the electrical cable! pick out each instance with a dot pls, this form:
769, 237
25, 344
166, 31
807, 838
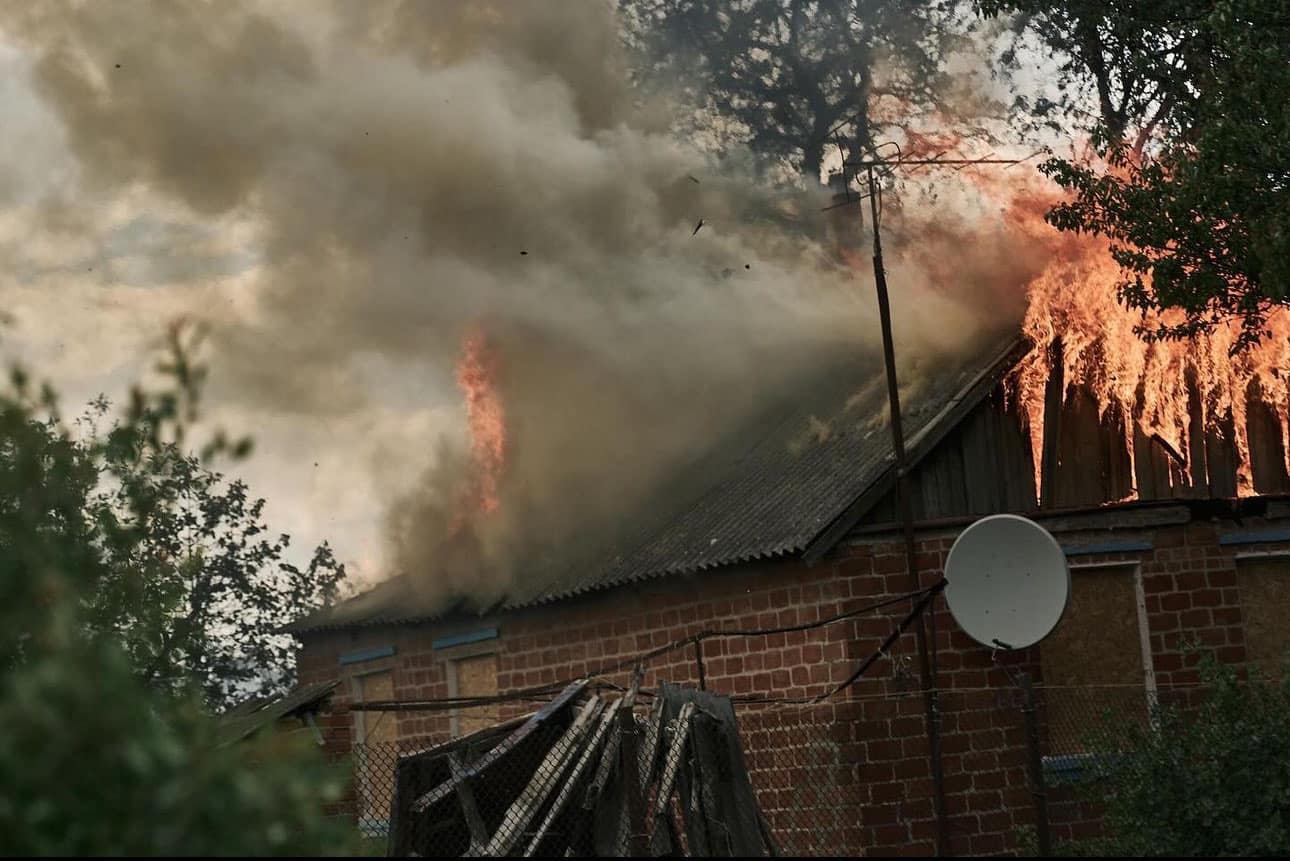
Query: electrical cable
539, 692
928, 596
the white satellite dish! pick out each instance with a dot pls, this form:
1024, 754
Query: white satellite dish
1007, 582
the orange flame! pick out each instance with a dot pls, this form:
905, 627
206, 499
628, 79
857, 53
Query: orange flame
1073, 303
477, 370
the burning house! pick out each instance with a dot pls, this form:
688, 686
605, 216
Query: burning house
1176, 525
676, 432
676, 414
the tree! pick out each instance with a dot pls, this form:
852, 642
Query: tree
1212, 780
174, 562
787, 77
1193, 130
96, 758
1101, 88
96, 762
220, 586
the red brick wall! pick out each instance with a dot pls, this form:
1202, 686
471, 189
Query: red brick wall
870, 743
1191, 596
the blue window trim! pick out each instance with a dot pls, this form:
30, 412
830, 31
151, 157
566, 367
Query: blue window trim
1066, 768
1071, 767
464, 639
1110, 547
371, 654
1260, 536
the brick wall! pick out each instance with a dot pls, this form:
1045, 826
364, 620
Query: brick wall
1191, 596
875, 733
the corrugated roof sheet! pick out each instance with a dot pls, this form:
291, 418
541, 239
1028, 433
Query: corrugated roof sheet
249, 717
767, 491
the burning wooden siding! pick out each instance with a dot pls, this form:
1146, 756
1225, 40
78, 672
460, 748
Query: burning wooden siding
1094, 455
1089, 458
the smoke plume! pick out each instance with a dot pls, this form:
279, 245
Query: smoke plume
418, 171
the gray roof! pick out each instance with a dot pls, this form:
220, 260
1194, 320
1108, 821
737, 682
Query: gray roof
799, 475
246, 718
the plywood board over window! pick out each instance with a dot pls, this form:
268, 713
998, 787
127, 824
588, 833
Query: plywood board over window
376, 751
1264, 583
377, 727
1093, 663
475, 676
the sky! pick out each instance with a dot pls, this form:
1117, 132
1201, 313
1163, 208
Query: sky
88, 308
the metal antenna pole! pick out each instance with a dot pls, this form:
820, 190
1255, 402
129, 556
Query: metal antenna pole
907, 522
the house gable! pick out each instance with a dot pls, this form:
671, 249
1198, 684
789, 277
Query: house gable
984, 464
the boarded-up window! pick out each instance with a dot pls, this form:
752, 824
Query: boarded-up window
376, 750
377, 727
1265, 602
1092, 662
476, 677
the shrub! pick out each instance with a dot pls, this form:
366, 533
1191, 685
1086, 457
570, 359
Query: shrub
1208, 778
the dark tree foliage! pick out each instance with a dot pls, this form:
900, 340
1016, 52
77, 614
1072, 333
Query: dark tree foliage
1210, 781
1193, 124
95, 762
172, 561
1102, 88
217, 585
787, 76
97, 757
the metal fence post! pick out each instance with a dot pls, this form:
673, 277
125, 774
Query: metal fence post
1037, 788
629, 761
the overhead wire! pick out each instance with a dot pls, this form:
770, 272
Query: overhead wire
928, 596
539, 692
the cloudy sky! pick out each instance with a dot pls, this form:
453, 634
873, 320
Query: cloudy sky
91, 280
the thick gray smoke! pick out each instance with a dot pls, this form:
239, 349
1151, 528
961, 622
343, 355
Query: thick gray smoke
415, 170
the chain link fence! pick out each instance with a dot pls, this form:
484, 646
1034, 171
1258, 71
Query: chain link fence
541, 797
1080, 722
844, 777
